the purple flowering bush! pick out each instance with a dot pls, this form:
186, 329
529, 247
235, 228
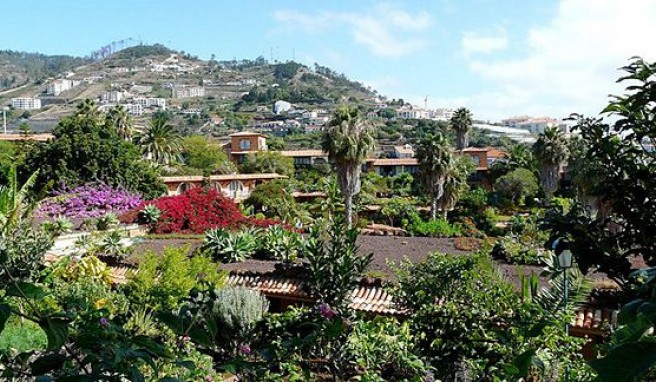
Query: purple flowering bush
88, 201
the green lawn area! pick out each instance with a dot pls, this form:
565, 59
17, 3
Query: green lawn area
22, 336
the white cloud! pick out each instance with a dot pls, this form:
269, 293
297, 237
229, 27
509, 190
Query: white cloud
572, 61
385, 30
476, 43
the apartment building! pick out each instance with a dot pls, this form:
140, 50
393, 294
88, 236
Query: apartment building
61, 85
26, 103
150, 102
187, 91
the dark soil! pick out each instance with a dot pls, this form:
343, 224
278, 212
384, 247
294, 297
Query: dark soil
386, 250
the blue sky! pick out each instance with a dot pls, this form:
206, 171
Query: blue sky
498, 57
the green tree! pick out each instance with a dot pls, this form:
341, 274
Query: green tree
517, 185
200, 153
14, 201
435, 162
551, 153
159, 142
348, 142
519, 156
267, 162
83, 151
461, 123
119, 119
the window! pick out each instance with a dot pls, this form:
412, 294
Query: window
245, 144
476, 159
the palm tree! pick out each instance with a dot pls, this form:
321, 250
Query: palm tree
551, 152
88, 108
348, 141
159, 142
461, 123
119, 119
456, 184
435, 157
13, 201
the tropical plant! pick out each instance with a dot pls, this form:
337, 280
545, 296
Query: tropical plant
159, 142
456, 184
348, 141
281, 245
14, 201
88, 200
119, 119
60, 225
230, 247
334, 266
106, 221
150, 215
519, 156
435, 162
113, 245
208, 156
461, 123
551, 152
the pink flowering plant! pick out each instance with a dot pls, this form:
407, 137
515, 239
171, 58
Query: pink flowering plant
88, 201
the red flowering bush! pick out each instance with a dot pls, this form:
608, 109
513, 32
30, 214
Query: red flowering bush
196, 211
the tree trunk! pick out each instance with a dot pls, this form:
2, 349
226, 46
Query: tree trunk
348, 206
434, 209
444, 211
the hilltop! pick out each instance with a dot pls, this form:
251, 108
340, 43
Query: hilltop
197, 94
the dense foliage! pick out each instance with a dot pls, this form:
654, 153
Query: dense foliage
86, 150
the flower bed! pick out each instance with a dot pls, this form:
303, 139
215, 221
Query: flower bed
196, 211
88, 201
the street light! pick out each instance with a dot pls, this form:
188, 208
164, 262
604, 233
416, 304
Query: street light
564, 263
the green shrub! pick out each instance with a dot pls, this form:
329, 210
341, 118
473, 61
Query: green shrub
163, 280
112, 245
60, 225
237, 310
432, 228
382, 349
22, 335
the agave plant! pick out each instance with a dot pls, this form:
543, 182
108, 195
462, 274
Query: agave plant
229, 247
60, 225
103, 223
281, 245
112, 245
150, 214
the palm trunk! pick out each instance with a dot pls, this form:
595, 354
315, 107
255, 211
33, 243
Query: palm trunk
348, 205
434, 209
444, 213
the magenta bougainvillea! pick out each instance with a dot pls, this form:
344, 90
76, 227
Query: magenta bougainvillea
88, 201
196, 211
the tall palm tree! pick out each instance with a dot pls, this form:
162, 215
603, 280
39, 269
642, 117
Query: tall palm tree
348, 141
13, 201
159, 142
461, 123
119, 119
435, 161
456, 184
551, 152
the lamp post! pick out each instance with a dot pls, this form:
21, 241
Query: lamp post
564, 263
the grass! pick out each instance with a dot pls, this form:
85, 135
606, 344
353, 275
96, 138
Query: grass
22, 335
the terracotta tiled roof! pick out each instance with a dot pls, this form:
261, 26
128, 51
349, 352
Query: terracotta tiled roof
247, 134
395, 162
246, 176
595, 320
369, 298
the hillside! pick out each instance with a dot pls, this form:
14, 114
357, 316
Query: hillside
198, 95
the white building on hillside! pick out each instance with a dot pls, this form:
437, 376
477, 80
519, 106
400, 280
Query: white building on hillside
187, 91
412, 112
281, 107
58, 86
534, 125
150, 102
26, 103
